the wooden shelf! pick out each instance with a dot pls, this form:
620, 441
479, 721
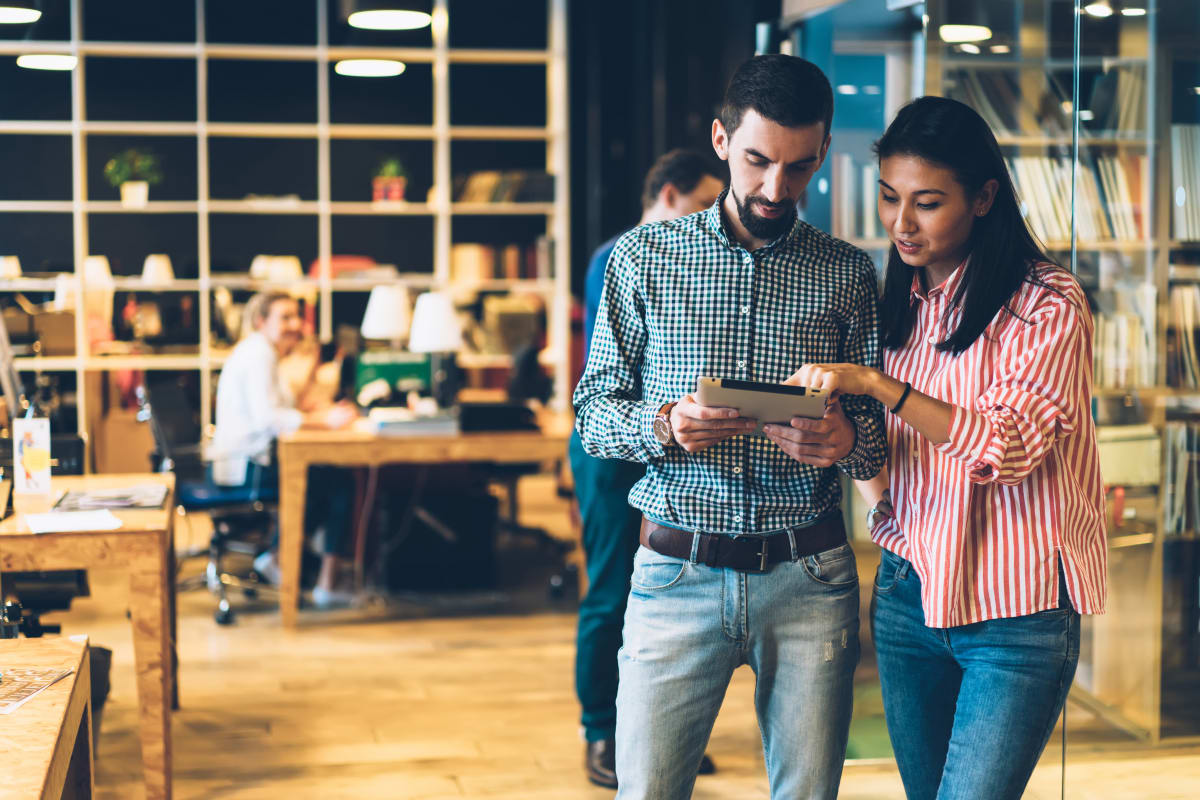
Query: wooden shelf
264, 206
386, 208
502, 208
152, 207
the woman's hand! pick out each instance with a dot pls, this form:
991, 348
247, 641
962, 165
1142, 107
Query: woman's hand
836, 378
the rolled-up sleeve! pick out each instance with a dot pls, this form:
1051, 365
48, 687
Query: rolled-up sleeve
861, 346
1035, 399
612, 417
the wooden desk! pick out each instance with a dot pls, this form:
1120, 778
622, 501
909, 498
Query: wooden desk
360, 447
47, 743
143, 546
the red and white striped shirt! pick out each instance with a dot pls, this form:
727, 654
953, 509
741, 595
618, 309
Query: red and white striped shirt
985, 517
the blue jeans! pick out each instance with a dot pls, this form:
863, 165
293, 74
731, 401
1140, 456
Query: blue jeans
610, 539
969, 709
688, 626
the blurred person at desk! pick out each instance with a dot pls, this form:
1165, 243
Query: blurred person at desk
254, 407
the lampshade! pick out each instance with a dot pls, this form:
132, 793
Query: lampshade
17, 12
388, 15
369, 67
55, 62
64, 292
388, 314
965, 21
157, 269
435, 327
283, 269
96, 271
260, 267
10, 267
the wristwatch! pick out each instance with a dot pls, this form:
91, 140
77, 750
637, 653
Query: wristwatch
884, 507
662, 425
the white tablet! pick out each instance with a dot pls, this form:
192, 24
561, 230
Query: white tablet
765, 402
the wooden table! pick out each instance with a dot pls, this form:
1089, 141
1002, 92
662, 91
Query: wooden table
47, 742
144, 547
359, 447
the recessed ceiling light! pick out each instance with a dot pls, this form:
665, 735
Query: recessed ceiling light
1086, 115
18, 12
846, 88
369, 67
871, 89
953, 34
1000, 48
389, 19
967, 47
1099, 8
59, 62
1196, 89
1133, 12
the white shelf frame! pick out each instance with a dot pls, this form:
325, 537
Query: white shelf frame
441, 133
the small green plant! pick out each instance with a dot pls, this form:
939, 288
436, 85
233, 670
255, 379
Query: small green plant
391, 168
133, 165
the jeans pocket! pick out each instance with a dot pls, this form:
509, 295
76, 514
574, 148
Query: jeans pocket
886, 574
833, 567
654, 571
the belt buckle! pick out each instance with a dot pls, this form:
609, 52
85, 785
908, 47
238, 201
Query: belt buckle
762, 554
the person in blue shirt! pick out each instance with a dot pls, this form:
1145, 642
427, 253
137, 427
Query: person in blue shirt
681, 182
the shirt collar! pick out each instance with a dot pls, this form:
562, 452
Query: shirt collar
716, 222
946, 288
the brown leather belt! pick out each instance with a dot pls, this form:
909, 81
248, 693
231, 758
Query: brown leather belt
745, 553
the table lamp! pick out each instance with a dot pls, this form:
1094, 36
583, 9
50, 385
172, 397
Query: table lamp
98, 298
436, 330
388, 315
10, 267
157, 269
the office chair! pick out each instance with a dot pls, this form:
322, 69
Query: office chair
242, 516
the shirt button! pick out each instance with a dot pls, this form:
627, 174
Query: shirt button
737, 470
933, 340
745, 309
737, 518
741, 365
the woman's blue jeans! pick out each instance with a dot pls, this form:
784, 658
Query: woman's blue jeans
969, 709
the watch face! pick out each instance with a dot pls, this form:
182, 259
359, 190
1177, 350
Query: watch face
662, 430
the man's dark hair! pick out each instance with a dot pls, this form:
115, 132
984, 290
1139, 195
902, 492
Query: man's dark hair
784, 89
681, 168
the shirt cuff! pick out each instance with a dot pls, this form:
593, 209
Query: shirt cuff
970, 441
654, 448
859, 455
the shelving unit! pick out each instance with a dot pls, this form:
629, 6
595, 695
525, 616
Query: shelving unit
1122, 670
321, 209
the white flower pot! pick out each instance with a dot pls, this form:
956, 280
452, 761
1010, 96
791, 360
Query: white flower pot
135, 194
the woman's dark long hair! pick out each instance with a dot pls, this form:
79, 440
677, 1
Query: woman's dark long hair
1003, 252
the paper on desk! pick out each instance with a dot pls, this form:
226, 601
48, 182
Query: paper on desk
67, 521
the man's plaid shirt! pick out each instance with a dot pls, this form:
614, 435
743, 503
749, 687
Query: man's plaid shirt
682, 300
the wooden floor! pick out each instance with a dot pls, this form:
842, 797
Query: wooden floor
363, 706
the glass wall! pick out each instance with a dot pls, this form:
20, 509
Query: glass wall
1096, 106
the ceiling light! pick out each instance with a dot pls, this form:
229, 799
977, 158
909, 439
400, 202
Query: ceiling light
18, 12
871, 89
1133, 12
1099, 8
846, 88
1086, 115
369, 67
1196, 89
389, 19
54, 61
1000, 48
973, 49
953, 34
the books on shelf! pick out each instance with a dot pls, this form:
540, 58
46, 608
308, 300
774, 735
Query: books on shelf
472, 262
1181, 485
1183, 330
508, 186
1110, 197
1185, 182
1123, 348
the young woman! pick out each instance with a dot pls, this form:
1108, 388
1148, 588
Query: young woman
996, 543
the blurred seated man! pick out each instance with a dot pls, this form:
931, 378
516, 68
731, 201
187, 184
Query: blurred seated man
254, 407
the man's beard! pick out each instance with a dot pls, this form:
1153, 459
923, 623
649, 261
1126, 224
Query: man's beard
762, 227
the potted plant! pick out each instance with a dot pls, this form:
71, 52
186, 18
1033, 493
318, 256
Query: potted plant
133, 171
390, 180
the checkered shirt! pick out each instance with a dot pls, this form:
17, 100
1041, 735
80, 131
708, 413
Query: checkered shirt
682, 300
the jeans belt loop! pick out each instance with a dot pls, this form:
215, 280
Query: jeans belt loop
902, 573
695, 546
791, 534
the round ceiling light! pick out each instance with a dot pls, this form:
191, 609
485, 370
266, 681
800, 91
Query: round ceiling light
369, 67
59, 62
389, 19
954, 34
18, 12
